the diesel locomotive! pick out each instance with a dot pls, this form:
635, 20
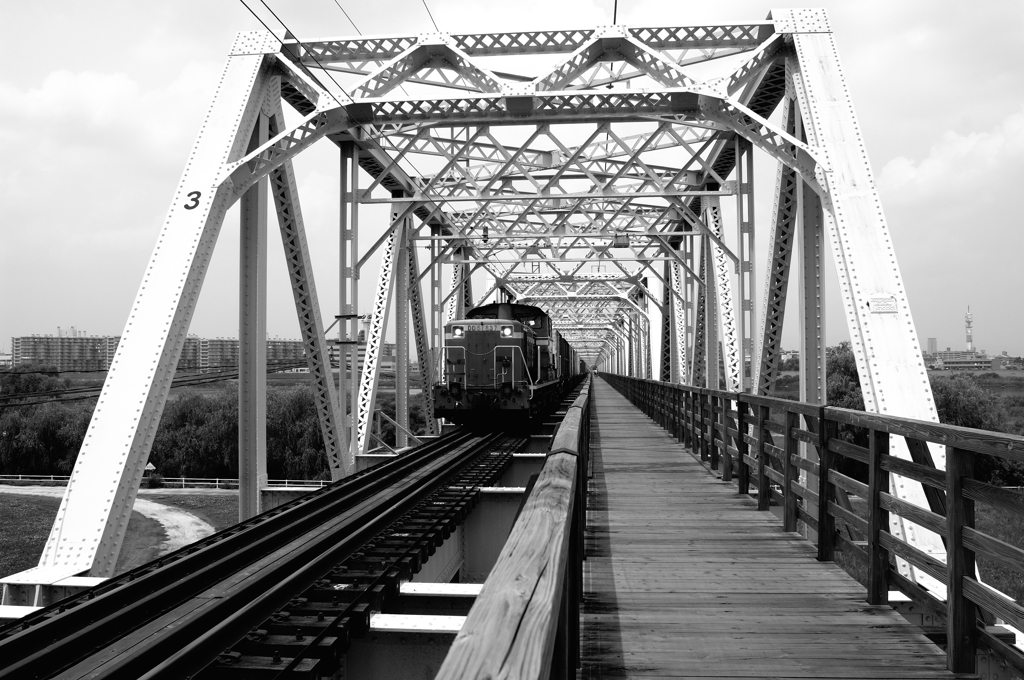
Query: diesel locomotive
502, 364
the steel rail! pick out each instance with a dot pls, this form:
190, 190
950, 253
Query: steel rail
63, 634
233, 607
224, 630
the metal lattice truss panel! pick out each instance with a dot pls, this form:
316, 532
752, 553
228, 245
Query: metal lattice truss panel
579, 170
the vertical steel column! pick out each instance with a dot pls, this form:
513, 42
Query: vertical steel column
679, 348
344, 306
632, 346
812, 309
348, 326
436, 309
252, 338
402, 284
648, 347
747, 316
667, 357
699, 360
725, 306
355, 367
812, 298
711, 311
781, 241
467, 287
689, 313
421, 336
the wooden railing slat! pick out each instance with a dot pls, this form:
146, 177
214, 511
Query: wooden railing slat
929, 477
917, 558
849, 450
929, 520
1010, 653
859, 523
848, 484
1009, 556
918, 594
1001, 498
845, 545
1006, 609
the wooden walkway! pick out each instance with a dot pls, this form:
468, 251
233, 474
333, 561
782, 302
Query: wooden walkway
684, 578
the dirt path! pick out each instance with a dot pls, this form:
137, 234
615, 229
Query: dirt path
182, 527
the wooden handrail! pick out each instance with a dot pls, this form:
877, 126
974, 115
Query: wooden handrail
530, 600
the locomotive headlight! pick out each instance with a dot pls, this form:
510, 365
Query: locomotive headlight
506, 331
458, 331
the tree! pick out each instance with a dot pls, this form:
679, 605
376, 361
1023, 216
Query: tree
198, 436
295, 444
842, 387
790, 364
961, 400
39, 439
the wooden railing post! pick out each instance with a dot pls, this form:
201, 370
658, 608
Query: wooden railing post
826, 522
764, 492
662, 409
742, 447
691, 413
961, 613
789, 471
675, 412
723, 402
698, 408
878, 519
709, 430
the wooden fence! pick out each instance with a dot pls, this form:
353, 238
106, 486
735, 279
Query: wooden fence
756, 440
524, 624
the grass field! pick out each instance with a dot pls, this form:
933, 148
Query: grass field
25, 523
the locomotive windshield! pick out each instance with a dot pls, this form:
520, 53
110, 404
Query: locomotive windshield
527, 315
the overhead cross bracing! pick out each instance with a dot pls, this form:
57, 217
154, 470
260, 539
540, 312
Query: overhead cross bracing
604, 174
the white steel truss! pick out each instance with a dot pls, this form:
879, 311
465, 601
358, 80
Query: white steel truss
561, 165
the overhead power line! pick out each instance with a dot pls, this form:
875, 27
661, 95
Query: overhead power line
430, 15
81, 393
348, 17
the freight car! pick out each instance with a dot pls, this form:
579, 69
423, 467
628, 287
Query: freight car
502, 365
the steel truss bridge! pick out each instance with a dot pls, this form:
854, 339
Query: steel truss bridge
603, 173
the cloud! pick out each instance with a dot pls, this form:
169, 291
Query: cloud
955, 225
971, 160
111, 111
91, 160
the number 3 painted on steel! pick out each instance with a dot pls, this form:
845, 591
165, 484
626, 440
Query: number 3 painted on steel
194, 196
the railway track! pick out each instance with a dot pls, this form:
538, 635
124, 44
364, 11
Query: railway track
283, 594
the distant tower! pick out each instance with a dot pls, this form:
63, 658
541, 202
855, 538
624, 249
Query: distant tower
969, 325
933, 345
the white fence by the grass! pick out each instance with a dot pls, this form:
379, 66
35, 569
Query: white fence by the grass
177, 482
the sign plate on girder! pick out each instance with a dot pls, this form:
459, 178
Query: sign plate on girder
883, 304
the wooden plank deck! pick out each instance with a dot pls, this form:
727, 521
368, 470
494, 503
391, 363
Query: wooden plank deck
684, 578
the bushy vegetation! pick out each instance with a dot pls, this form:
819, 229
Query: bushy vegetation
962, 399
197, 437
42, 439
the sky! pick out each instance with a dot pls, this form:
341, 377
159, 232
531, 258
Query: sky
100, 103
